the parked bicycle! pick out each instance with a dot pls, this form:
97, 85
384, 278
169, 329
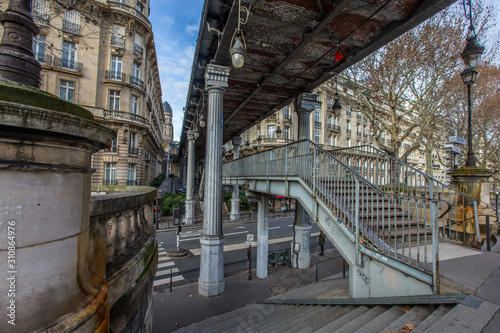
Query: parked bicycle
276, 258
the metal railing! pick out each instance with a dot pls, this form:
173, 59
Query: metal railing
401, 220
114, 75
71, 27
134, 80
405, 181
335, 128
67, 64
138, 49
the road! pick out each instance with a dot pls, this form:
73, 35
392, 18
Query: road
186, 270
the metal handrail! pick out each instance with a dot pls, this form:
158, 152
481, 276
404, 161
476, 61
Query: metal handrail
411, 167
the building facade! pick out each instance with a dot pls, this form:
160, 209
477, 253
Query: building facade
101, 55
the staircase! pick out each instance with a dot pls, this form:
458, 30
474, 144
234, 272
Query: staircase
385, 217
309, 309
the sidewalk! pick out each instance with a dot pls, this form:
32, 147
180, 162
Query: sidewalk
184, 306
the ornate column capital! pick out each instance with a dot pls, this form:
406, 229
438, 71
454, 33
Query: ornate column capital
305, 102
216, 76
237, 141
192, 135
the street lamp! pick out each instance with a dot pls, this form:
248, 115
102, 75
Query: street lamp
472, 57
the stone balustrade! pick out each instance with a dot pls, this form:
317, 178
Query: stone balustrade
123, 248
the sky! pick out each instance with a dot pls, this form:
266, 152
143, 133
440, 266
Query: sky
175, 28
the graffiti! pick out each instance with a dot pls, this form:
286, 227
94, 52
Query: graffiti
363, 276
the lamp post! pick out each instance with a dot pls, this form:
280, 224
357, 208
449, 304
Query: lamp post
472, 57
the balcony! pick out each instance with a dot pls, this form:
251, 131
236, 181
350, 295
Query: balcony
138, 49
348, 113
67, 64
335, 128
114, 76
121, 115
288, 117
436, 166
109, 181
358, 116
135, 81
133, 150
317, 124
365, 118
358, 133
43, 59
71, 27
133, 182
113, 149
42, 18
365, 135
348, 131
118, 41
406, 145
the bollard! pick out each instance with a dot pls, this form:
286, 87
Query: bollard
488, 240
249, 255
170, 280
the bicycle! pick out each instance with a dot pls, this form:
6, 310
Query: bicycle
276, 258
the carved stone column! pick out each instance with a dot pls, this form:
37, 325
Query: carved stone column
235, 199
302, 226
211, 280
189, 216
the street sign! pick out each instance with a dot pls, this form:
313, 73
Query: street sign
458, 140
451, 148
250, 241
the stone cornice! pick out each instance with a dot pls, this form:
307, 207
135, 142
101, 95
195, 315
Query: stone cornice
216, 76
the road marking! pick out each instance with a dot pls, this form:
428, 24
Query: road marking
229, 234
274, 228
240, 228
165, 266
234, 247
290, 225
167, 280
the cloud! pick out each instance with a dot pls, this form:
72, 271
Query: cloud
168, 20
192, 29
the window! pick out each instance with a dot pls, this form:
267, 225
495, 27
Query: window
114, 100
133, 105
138, 44
114, 146
287, 113
334, 143
140, 8
110, 174
133, 144
39, 48
116, 68
317, 135
69, 55
271, 131
317, 115
136, 74
118, 36
67, 91
131, 174
348, 126
287, 132
40, 9
348, 142
71, 22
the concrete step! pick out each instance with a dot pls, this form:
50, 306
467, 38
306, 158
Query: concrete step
360, 321
312, 290
458, 319
414, 316
308, 321
384, 319
344, 316
279, 316
436, 315
277, 322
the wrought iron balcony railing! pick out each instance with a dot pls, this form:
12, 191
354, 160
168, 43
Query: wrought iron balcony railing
114, 75
71, 27
137, 82
67, 64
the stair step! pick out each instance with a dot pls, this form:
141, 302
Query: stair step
382, 320
343, 316
279, 317
307, 321
359, 321
458, 319
234, 319
432, 318
415, 316
278, 321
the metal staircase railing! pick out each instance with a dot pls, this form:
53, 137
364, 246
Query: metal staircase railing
458, 220
401, 223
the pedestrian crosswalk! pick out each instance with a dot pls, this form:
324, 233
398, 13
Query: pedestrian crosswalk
166, 266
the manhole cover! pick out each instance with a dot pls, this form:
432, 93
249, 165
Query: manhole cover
278, 289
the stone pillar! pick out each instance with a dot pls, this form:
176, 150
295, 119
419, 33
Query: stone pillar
475, 182
211, 282
262, 235
235, 200
45, 172
302, 225
189, 216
